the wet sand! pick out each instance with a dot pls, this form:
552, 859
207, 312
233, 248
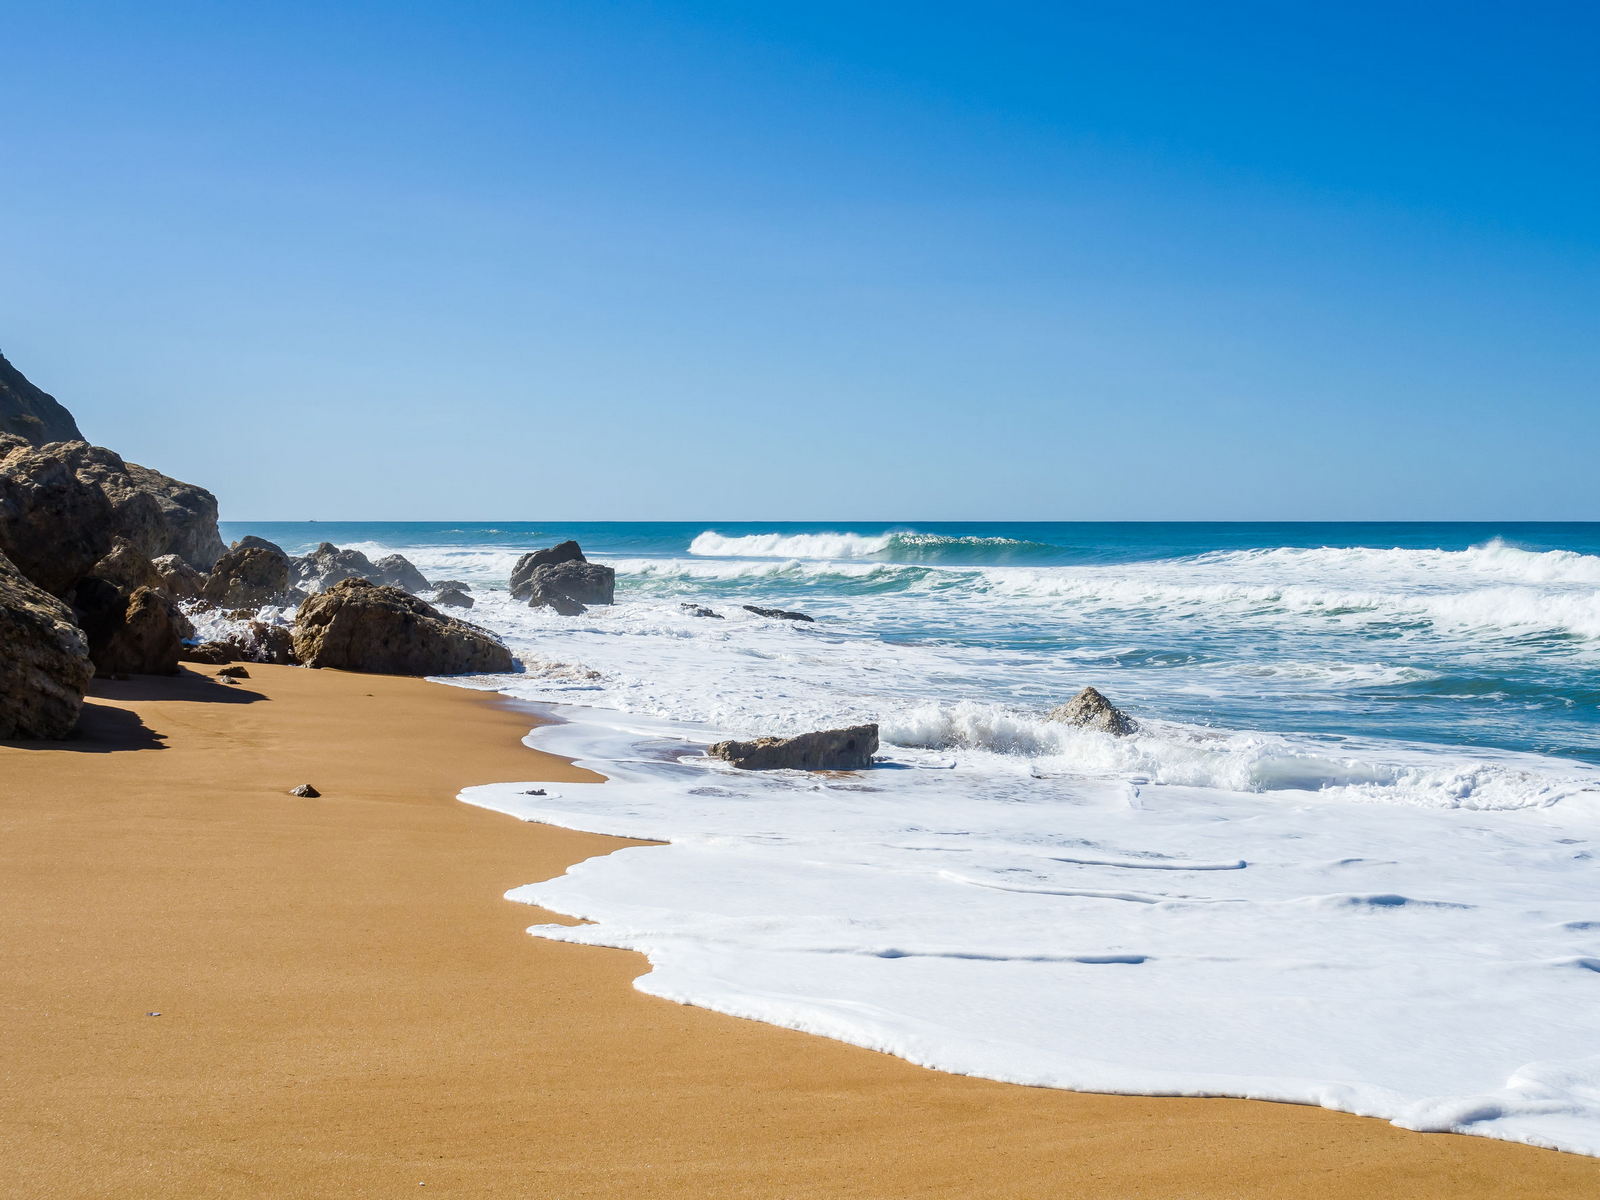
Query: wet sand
348, 1007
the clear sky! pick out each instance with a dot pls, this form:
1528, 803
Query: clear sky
816, 260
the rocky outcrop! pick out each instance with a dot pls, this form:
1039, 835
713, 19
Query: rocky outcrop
327, 565
700, 610
156, 513
1090, 710
44, 660
248, 576
849, 749
30, 414
127, 568
396, 571
554, 556
777, 614
570, 587
452, 598
54, 526
181, 581
357, 625
137, 633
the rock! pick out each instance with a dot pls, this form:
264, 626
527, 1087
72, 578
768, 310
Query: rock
1090, 710
552, 557
138, 633
361, 626
181, 581
440, 585
211, 653
396, 571
158, 514
306, 790
849, 749
700, 610
44, 660
568, 587
261, 642
54, 527
327, 565
127, 568
248, 577
452, 597
233, 672
777, 614
30, 414
251, 542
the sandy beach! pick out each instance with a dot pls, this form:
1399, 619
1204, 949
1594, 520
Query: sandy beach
348, 1007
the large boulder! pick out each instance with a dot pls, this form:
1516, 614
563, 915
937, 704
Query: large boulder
849, 749
181, 581
248, 577
44, 660
1090, 710
131, 633
552, 556
54, 526
396, 570
357, 625
569, 587
158, 514
327, 565
127, 568
452, 597
29, 413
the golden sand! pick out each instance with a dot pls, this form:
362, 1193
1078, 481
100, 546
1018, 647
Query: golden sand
348, 1007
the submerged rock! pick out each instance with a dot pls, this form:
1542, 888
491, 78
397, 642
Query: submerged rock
777, 614
700, 610
361, 626
248, 577
44, 660
849, 749
1090, 710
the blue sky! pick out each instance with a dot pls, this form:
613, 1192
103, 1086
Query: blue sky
816, 261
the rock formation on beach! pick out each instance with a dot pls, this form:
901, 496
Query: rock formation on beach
563, 579
849, 749
44, 660
1090, 710
361, 626
248, 576
130, 633
29, 413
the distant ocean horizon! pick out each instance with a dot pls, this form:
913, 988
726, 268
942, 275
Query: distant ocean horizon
1355, 831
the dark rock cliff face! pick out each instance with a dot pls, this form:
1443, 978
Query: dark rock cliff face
44, 660
29, 413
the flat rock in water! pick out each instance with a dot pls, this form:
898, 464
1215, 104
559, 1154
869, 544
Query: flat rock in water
777, 614
1090, 710
848, 749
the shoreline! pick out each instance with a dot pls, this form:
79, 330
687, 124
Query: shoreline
349, 1006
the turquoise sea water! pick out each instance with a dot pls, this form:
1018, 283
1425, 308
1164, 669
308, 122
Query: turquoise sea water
1457, 634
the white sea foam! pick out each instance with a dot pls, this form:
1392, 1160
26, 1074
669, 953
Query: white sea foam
1215, 906
1106, 935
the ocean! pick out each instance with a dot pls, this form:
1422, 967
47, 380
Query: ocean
1347, 860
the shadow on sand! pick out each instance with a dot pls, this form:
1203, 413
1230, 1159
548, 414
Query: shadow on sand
103, 729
